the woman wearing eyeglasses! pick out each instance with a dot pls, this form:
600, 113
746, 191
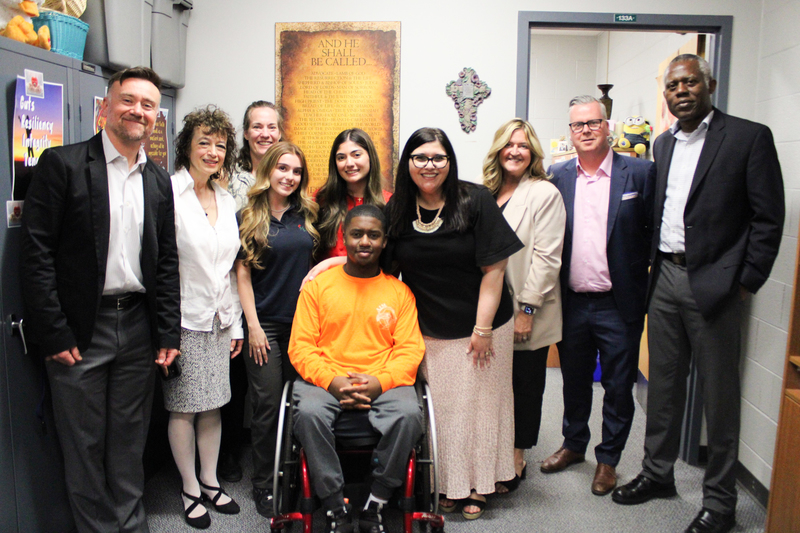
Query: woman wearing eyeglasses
513, 171
451, 244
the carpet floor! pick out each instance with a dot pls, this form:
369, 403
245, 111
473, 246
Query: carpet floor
552, 503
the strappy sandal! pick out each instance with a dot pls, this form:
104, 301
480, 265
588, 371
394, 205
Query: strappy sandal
447, 508
480, 504
198, 522
226, 508
513, 484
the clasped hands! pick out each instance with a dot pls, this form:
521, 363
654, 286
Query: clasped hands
355, 391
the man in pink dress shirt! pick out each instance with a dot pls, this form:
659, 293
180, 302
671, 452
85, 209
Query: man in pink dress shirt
608, 198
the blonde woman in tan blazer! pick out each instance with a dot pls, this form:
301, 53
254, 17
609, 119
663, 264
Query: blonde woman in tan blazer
513, 170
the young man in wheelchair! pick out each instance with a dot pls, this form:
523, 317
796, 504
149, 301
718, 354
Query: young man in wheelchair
356, 344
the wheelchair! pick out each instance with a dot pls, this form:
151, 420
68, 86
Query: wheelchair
293, 498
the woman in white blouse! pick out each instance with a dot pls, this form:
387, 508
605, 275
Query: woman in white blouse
211, 331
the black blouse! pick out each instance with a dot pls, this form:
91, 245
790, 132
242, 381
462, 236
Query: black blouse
443, 268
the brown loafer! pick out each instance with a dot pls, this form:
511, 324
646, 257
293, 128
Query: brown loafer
605, 479
561, 460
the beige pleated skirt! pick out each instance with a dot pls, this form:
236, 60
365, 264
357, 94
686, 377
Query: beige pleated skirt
474, 411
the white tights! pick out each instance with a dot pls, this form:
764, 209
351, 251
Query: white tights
203, 430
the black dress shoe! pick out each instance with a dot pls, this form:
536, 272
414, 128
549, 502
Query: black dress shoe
642, 489
228, 468
708, 521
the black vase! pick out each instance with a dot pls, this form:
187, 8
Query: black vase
605, 99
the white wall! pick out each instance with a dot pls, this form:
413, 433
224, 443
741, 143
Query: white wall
562, 66
230, 62
777, 104
231, 50
633, 59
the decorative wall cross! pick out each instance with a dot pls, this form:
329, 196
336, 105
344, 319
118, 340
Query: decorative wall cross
468, 92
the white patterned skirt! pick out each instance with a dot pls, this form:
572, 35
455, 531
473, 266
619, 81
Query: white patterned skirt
204, 383
474, 411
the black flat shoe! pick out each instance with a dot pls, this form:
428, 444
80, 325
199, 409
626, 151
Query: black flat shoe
226, 508
198, 522
642, 489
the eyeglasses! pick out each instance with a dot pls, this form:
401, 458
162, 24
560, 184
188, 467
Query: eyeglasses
421, 161
594, 125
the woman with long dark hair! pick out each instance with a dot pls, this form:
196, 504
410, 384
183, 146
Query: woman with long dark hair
451, 244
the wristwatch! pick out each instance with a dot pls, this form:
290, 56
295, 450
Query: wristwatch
528, 310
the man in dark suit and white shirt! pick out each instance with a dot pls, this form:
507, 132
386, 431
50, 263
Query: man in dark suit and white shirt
102, 295
718, 221
608, 198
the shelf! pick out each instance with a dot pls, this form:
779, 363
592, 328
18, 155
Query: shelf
794, 394
795, 360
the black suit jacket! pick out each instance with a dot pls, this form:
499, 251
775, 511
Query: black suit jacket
735, 210
630, 204
65, 233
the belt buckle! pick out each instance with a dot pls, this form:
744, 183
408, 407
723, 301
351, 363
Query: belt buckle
120, 305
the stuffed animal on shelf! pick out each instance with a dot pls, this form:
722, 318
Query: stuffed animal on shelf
15, 18
635, 133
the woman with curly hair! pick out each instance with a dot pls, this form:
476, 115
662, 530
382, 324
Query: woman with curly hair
262, 127
278, 239
514, 173
211, 334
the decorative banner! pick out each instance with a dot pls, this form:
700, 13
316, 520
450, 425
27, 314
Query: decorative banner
332, 76
38, 124
156, 146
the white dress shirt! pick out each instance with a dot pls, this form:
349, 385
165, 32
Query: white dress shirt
205, 257
126, 223
685, 156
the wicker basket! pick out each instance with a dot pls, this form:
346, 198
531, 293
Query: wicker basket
73, 8
67, 34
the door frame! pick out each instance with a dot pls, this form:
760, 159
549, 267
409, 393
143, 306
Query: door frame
721, 27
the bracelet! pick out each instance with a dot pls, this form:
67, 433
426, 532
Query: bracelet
477, 331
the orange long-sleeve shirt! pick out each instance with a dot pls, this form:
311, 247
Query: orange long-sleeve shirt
346, 324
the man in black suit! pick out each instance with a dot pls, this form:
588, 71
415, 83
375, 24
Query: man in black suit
608, 198
102, 294
718, 216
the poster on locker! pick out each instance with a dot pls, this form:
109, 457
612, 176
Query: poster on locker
38, 124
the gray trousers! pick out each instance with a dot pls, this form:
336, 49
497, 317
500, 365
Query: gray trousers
102, 411
266, 385
677, 333
395, 414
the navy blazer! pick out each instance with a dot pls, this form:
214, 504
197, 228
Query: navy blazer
735, 210
629, 229
65, 233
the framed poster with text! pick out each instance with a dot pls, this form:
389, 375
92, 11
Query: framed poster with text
332, 76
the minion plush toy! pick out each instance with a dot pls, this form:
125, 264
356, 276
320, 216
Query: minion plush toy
635, 133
